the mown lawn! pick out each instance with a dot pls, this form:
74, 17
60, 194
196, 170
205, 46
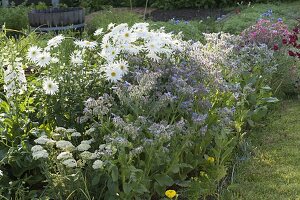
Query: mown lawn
289, 12
273, 171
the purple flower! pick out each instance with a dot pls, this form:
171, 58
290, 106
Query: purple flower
199, 118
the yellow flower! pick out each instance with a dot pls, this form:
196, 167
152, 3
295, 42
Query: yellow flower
211, 159
170, 194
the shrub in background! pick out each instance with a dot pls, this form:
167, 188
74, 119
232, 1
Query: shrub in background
14, 17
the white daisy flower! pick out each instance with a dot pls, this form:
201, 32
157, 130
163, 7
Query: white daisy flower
90, 45
85, 44
127, 37
113, 73
98, 32
153, 47
1, 173
98, 164
122, 65
54, 42
71, 163
50, 86
64, 156
33, 53
110, 53
43, 59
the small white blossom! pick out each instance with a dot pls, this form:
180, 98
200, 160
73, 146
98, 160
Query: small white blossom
54, 60
86, 155
110, 26
64, 156
65, 145
83, 147
98, 164
76, 134
76, 58
71, 163
40, 154
87, 141
43, 140
36, 148
98, 32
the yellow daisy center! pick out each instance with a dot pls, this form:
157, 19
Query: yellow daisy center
113, 74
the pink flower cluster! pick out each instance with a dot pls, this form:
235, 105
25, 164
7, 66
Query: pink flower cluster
267, 32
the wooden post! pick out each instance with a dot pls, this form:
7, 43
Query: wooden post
5, 3
55, 3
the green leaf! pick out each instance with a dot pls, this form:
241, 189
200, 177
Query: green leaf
96, 180
271, 100
158, 188
164, 180
266, 88
5, 106
175, 169
141, 189
127, 188
115, 173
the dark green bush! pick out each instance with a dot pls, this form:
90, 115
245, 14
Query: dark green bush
14, 17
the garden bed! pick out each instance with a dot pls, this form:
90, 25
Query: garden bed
186, 14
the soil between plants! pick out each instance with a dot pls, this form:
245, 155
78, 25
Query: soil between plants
186, 14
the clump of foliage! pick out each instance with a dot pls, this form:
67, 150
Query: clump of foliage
139, 113
15, 18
